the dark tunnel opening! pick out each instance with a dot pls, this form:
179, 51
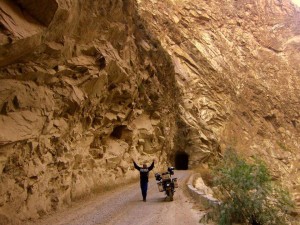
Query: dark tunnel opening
181, 160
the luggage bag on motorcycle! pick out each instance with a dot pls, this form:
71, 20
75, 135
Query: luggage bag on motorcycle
175, 182
160, 186
166, 176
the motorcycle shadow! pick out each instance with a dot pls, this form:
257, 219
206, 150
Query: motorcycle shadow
161, 200
154, 200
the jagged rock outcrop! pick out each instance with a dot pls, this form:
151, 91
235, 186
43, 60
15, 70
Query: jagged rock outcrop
237, 65
84, 87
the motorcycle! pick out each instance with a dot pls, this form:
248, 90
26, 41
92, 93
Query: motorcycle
166, 183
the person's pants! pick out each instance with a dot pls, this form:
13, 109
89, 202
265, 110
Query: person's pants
144, 188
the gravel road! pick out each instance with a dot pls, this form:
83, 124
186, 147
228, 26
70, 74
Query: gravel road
124, 206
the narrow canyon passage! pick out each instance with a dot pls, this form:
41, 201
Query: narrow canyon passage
124, 206
85, 86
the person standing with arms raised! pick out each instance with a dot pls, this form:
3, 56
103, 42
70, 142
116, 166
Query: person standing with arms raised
144, 174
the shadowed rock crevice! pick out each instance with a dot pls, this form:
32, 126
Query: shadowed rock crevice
42, 10
118, 131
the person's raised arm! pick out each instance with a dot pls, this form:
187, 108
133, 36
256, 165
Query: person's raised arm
136, 166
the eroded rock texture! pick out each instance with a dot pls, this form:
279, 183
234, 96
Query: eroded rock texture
86, 85
237, 65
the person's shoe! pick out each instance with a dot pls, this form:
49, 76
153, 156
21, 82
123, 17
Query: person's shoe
144, 199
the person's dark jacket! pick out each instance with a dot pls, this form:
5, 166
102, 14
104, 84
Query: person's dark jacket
144, 172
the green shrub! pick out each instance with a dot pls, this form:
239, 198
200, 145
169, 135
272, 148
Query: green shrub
249, 194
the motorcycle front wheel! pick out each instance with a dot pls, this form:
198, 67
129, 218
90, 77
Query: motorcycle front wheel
170, 194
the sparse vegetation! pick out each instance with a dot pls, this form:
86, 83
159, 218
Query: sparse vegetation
248, 193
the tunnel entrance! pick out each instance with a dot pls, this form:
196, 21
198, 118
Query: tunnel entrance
181, 160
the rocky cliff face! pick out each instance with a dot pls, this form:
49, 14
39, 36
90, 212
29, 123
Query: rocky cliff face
237, 65
86, 85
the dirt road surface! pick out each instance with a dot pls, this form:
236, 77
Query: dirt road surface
124, 206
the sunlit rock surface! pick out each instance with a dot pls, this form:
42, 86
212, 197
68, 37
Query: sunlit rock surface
87, 85
84, 89
237, 66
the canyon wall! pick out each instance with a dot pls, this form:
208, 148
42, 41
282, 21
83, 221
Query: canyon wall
237, 66
85, 86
